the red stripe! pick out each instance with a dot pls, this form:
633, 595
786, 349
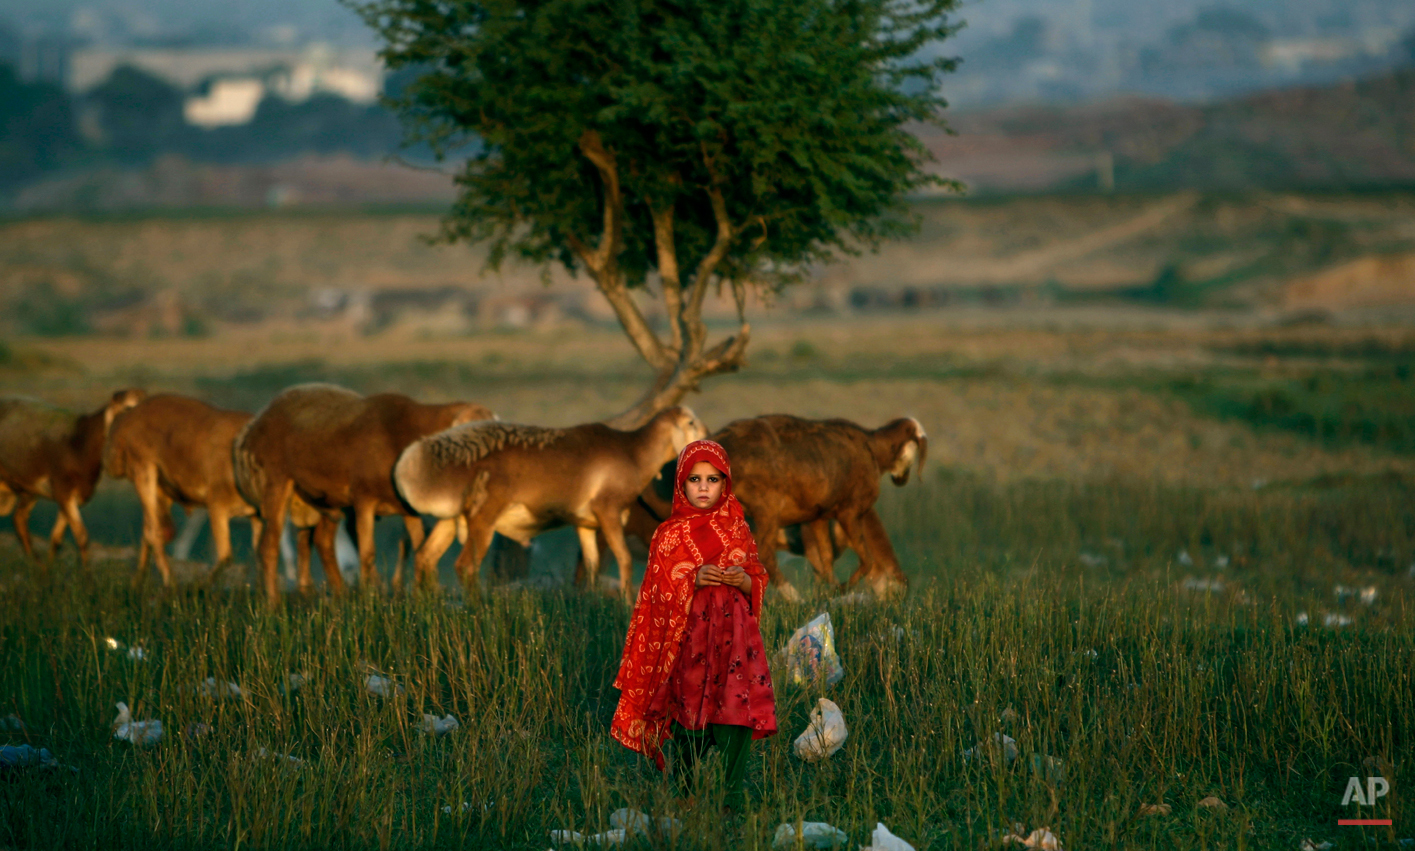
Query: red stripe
1364, 821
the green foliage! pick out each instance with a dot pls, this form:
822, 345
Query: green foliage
42, 311
794, 112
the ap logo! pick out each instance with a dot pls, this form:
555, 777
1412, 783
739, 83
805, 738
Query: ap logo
1375, 788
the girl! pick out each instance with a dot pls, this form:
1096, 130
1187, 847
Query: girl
694, 667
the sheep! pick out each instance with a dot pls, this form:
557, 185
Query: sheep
178, 449
521, 480
51, 453
788, 470
334, 449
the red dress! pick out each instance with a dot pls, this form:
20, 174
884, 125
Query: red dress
721, 675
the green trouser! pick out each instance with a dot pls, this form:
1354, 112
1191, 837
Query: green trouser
735, 743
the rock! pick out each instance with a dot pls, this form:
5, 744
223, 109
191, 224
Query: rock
438, 726
1160, 809
883, 840
1214, 804
137, 732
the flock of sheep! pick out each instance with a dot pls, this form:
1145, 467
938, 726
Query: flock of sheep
317, 452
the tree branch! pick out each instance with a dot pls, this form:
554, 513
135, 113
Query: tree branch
668, 273
693, 313
603, 261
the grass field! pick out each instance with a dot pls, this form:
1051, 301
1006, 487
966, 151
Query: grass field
1139, 548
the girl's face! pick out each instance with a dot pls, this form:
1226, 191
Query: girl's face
704, 484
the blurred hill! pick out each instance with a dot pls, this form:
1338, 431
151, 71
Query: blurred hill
1351, 134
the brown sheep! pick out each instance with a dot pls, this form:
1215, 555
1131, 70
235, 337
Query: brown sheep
51, 453
788, 470
521, 480
334, 449
178, 449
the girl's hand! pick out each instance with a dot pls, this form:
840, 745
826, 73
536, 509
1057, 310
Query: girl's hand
738, 578
709, 574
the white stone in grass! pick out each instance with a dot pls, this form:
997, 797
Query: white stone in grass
1221, 561
883, 840
227, 690
814, 834
1041, 838
1160, 809
1332, 620
1303, 619
1368, 595
12, 723
824, 735
1310, 845
137, 732
438, 726
565, 837
1212, 803
1092, 560
609, 837
999, 743
1185, 559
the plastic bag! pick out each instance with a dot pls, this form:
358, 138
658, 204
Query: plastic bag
811, 653
814, 834
883, 840
826, 733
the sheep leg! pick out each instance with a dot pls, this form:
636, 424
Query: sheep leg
587, 571
470, 559
767, 527
145, 483
324, 534
613, 529
413, 525
69, 511
888, 576
24, 504
436, 542
363, 529
819, 551
272, 514
220, 520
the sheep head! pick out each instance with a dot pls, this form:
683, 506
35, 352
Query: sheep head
121, 401
909, 446
684, 427
471, 412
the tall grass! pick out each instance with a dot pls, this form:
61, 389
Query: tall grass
1145, 691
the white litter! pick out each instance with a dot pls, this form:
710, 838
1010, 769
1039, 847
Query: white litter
1309, 845
1209, 586
227, 690
814, 834
263, 753
1303, 619
24, 756
999, 743
438, 726
1041, 838
1368, 595
883, 840
826, 733
382, 686
564, 837
293, 683
138, 732
630, 821
135, 653
1185, 559
811, 653
1220, 561
855, 598
1332, 619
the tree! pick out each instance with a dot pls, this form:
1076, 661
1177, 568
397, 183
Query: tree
685, 145
37, 131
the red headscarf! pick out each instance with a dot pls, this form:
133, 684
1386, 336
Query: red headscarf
688, 539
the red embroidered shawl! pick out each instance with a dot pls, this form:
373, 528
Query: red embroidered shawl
688, 539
